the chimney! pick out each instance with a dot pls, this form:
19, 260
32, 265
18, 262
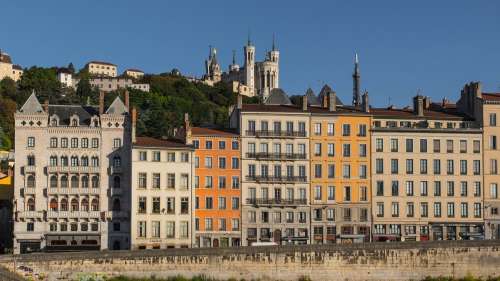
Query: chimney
324, 102
239, 101
427, 102
127, 99
332, 101
134, 124
476, 87
304, 103
46, 106
365, 102
418, 105
187, 128
444, 102
101, 102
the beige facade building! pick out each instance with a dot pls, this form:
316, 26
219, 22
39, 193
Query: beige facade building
162, 192
101, 68
275, 170
485, 107
426, 173
134, 73
7, 69
72, 167
109, 84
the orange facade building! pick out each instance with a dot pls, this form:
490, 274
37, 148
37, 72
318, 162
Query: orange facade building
217, 187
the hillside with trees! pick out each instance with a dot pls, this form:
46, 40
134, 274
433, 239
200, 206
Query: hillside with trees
160, 110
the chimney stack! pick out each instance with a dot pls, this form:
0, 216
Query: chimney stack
101, 102
365, 103
304, 103
418, 105
239, 101
476, 87
332, 101
427, 102
134, 124
187, 128
127, 99
324, 102
46, 106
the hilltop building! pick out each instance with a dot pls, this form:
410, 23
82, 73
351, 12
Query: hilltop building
254, 78
8, 69
102, 68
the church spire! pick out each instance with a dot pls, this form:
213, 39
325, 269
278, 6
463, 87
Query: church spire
249, 41
356, 97
234, 57
274, 42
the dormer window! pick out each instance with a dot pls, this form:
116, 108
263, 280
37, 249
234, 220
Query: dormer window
54, 121
94, 121
74, 121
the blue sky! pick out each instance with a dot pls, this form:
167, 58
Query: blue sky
436, 46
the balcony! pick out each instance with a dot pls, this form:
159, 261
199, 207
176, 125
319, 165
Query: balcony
73, 169
29, 169
275, 134
276, 156
72, 190
269, 179
29, 191
30, 215
275, 202
82, 214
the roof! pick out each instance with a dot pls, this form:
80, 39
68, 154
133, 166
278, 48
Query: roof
200, 131
312, 99
160, 143
134, 70
277, 97
117, 107
101, 62
64, 70
32, 105
325, 91
17, 66
64, 112
5, 58
435, 111
491, 96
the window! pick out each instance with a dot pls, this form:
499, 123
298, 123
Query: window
449, 167
31, 142
346, 130
362, 130
477, 210
95, 142
142, 180
142, 205
493, 119
493, 167
53, 142
209, 203
317, 170
170, 205
64, 142
156, 205
317, 192
85, 142
394, 166
156, 156
74, 142
379, 166
380, 188
184, 157
317, 129
222, 145
208, 144
477, 189
463, 189
395, 188
423, 145
424, 188
331, 193
184, 205
450, 188
363, 190
437, 166
409, 145
196, 144
423, 166
235, 203
395, 209
449, 146
436, 146
235, 145
143, 156
379, 145
170, 180
463, 167
317, 149
235, 163
493, 191
346, 148
117, 143
409, 166
170, 229
362, 150
424, 210
155, 229
437, 209
409, 188
363, 171
464, 210
235, 223
331, 129
30, 226
463, 146
394, 145
347, 193
437, 188
476, 167
380, 209
208, 162
171, 157
476, 146
156, 180
346, 171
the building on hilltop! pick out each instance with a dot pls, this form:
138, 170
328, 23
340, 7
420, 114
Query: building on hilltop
65, 77
8, 69
72, 172
101, 68
254, 78
134, 73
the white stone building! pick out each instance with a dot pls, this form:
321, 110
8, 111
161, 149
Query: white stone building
7, 69
72, 177
102, 68
65, 77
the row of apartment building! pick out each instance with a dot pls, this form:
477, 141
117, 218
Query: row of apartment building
319, 172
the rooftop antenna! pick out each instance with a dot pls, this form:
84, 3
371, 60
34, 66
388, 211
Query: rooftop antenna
389, 101
249, 42
234, 57
274, 42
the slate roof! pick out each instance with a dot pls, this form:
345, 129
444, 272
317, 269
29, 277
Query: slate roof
160, 143
117, 107
5, 58
277, 97
101, 62
434, 112
324, 91
312, 99
64, 112
17, 66
32, 105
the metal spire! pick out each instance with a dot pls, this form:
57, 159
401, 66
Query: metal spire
356, 97
249, 42
274, 42
234, 57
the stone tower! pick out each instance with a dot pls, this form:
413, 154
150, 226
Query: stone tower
213, 71
356, 96
249, 65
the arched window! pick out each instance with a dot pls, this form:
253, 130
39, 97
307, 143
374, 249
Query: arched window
64, 205
85, 205
117, 162
53, 204
74, 181
53, 181
85, 181
116, 204
74, 205
31, 160
95, 204
64, 161
116, 182
53, 161
74, 122
30, 205
85, 161
74, 161
30, 182
95, 161
95, 182
64, 181
54, 122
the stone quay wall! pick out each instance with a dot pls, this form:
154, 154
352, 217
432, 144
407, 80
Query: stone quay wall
370, 261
